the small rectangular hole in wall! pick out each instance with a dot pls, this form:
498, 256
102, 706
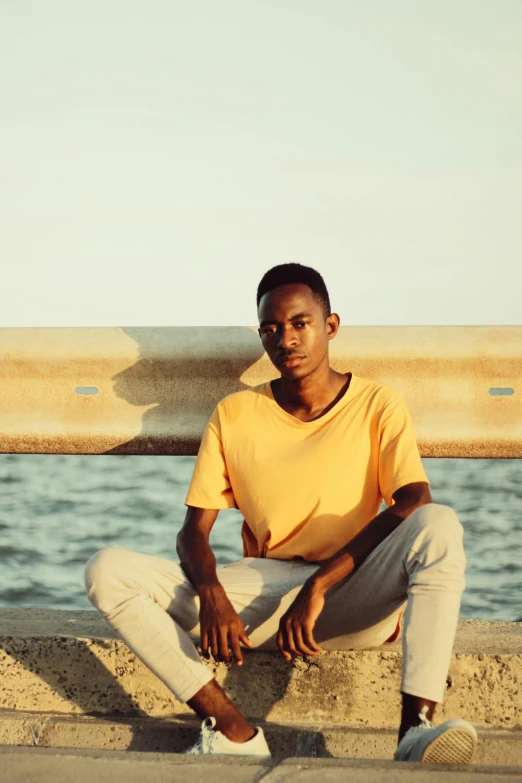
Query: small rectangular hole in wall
502, 391
86, 390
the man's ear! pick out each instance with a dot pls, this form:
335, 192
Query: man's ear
332, 325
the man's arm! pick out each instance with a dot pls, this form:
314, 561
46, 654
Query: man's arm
296, 626
192, 544
220, 626
407, 499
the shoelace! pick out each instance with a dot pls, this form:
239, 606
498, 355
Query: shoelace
424, 722
204, 743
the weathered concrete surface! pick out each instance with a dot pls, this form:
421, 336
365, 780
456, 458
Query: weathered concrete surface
69, 662
28, 765
37, 765
285, 740
156, 387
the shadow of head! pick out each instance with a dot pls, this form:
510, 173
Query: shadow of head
183, 372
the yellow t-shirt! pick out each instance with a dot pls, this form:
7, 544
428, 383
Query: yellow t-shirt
305, 489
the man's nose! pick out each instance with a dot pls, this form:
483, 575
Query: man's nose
287, 338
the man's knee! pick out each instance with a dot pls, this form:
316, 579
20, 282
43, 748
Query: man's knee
103, 574
436, 548
436, 519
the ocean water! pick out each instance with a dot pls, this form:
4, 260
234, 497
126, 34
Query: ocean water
56, 511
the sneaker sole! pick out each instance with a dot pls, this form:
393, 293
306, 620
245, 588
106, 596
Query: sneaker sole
456, 745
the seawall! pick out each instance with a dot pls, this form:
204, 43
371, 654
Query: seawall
70, 662
66, 681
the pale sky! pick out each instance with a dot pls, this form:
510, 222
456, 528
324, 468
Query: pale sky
157, 157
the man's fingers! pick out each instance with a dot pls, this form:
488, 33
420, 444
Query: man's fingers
281, 644
214, 644
204, 643
300, 644
236, 648
309, 640
224, 652
289, 640
244, 637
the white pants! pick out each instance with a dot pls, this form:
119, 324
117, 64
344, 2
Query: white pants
153, 607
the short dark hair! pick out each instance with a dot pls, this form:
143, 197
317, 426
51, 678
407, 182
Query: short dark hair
295, 273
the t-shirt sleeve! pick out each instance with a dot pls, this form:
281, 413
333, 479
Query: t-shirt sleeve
210, 484
399, 459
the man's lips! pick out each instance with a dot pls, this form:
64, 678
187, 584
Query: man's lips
291, 360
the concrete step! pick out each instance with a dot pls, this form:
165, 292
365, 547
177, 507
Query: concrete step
496, 746
45, 765
70, 662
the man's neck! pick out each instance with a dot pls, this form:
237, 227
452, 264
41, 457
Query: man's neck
311, 397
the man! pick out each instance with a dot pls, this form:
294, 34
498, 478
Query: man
307, 459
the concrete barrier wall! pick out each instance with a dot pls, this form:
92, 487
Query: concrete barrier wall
151, 391
70, 662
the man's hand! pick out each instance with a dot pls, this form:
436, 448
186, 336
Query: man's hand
295, 633
221, 627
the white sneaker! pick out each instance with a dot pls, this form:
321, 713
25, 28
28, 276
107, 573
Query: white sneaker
453, 742
212, 742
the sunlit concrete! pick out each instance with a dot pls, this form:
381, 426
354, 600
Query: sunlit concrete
174, 735
21, 765
70, 662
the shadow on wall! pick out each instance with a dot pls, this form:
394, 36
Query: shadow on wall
95, 691
183, 372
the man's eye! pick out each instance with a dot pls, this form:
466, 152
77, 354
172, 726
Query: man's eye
268, 330
300, 324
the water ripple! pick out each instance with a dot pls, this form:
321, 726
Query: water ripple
58, 510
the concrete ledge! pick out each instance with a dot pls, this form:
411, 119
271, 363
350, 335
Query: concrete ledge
286, 740
68, 662
19, 765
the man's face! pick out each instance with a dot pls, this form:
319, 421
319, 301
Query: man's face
293, 329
